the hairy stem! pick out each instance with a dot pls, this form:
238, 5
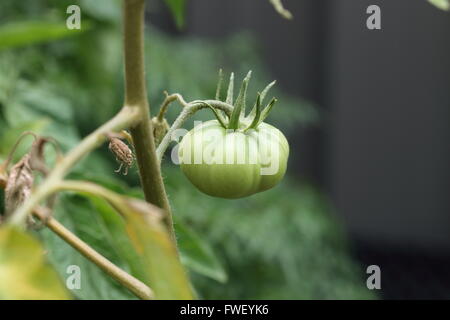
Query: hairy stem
168, 100
124, 119
136, 96
189, 109
137, 287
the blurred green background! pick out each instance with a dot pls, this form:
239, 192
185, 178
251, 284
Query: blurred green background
285, 243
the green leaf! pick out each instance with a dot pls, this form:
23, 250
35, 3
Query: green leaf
441, 4
239, 107
41, 101
9, 136
280, 9
24, 273
115, 231
107, 10
24, 33
197, 254
162, 269
78, 215
47, 101
177, 8
164, 272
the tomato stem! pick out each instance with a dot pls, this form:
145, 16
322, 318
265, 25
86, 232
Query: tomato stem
136, 97
190, 109
167, 101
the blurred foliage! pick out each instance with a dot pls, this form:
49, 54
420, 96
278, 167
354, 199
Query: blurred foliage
24, 273
24, 33
280, 244
141, 241
283, 243
177, 7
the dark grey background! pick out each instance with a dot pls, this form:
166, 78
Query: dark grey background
384, 149
390, 139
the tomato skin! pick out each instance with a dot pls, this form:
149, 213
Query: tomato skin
229, 164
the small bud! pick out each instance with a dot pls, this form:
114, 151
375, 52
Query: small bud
18, 185
123, 153
160, 129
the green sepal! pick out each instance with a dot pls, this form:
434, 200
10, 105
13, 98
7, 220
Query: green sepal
239, 106
266, 90
267, 110
257, 117
230, 90
219, 116
252, 113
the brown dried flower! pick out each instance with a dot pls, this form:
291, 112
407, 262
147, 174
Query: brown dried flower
160, 128
123, 153
18, 185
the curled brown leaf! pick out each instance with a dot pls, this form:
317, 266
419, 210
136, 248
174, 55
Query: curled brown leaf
18, 185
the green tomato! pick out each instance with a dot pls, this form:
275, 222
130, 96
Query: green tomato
233, 163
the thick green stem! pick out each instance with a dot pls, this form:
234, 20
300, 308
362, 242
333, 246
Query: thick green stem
136, 97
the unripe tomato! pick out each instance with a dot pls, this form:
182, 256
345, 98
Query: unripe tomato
233, 163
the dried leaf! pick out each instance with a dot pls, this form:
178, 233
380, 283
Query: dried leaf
18, 186
37, 157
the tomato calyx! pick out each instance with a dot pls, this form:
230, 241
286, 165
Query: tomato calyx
238, 121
